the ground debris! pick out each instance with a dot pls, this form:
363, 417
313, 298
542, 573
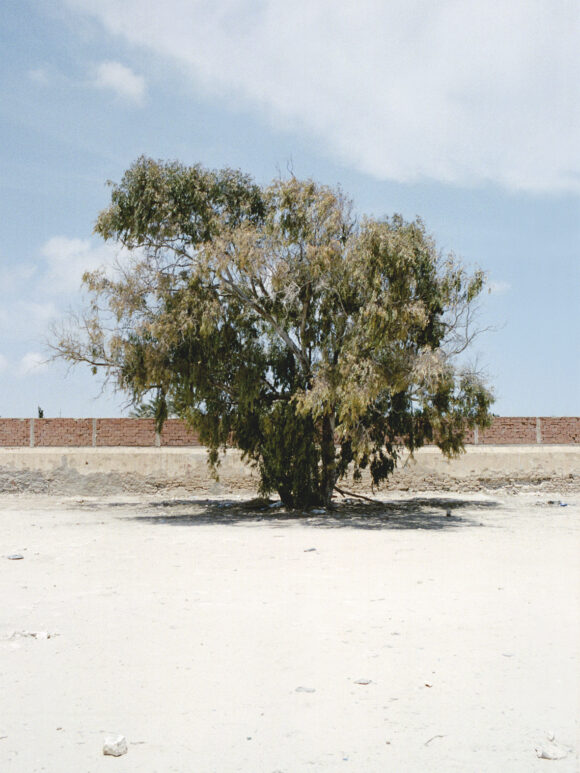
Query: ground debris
115, 746
31, 635
433, 737
550, 749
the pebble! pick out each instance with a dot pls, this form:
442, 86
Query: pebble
115, 746
551, 750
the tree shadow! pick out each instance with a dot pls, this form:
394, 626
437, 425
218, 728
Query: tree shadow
432, 513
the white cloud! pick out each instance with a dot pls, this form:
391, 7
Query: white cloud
31, 313
3, 363
31, 363
26, 321
16, 276
67, 259
122, 80
410, 89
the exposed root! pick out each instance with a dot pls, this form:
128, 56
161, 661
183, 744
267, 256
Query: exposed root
344, 493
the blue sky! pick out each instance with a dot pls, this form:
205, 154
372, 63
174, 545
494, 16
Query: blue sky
467, 114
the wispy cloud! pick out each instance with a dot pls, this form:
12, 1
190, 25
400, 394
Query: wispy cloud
410, 89
31, 362
39, 75
26, 320
67, 259
120, 79
16, 277
498, 287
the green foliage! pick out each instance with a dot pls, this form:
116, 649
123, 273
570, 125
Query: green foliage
158, 408
271, 319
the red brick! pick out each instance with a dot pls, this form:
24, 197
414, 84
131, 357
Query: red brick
504, 430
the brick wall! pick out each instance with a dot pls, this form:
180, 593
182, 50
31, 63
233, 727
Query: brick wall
565, 429
61, 432
176, 433
125, 432
14, 432
519, 430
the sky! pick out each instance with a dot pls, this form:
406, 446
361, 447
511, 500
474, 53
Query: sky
466, 114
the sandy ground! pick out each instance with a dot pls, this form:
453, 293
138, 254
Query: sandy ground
218, 638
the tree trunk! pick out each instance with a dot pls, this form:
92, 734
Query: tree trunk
328, 459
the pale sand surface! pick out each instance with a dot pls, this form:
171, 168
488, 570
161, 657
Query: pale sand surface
188, 626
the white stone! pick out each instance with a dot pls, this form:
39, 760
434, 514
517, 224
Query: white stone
115, 746
550, 750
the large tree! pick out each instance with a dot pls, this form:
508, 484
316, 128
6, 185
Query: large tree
273, 320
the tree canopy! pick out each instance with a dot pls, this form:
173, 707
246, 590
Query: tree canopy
274, 320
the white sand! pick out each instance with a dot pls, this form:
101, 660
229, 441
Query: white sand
189, 628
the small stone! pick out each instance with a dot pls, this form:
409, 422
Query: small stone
15, 557
362, 681
551, 750
115, 746
310, 550
305, 689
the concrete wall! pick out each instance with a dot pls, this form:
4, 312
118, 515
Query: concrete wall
99, 471
135, 433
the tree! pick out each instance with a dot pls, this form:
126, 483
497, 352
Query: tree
277, 322
150, 409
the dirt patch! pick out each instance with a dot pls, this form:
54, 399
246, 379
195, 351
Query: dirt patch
434, 632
